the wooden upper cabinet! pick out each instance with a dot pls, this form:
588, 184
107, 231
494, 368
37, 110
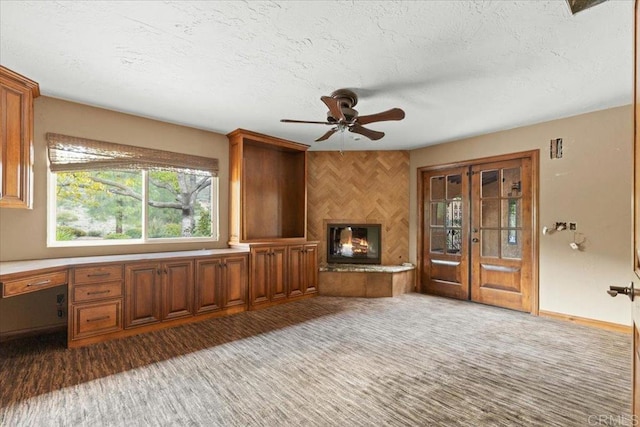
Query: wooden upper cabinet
16, 133
268, 189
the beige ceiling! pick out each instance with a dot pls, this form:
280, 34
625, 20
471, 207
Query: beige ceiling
458, 68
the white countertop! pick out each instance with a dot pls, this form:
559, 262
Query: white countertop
12, 267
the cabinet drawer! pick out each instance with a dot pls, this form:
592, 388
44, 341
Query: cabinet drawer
97, 274
34, 283
83, 293
96, 319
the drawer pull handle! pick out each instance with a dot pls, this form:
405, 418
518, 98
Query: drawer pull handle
98, 274
40, 283
98, 292
97, 319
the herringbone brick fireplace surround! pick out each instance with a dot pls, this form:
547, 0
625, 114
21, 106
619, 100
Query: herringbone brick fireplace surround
360, 187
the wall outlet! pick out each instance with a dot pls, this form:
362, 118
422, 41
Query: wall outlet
573, 226
59, 298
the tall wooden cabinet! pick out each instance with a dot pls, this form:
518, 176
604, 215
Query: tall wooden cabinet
16, 138
268, 214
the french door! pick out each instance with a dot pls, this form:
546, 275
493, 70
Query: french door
477, 229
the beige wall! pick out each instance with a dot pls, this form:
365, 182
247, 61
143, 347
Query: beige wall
23, 232
360, 187
590, 185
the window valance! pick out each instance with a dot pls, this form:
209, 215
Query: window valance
68, 154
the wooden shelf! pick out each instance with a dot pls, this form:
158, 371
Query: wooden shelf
267, 188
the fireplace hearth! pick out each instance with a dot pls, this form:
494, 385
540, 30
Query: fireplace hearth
354, 243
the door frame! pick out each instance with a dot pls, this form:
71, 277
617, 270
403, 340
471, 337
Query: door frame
534, 156
635, 312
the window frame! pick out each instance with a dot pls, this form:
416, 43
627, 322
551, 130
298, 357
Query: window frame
214, 193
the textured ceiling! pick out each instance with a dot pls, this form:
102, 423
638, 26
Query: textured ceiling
458, 68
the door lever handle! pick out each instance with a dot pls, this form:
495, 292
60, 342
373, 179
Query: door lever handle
628, 290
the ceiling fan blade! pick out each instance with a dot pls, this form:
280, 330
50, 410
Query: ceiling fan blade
327, 135
334, 107
305, 121
371, 134
393, 114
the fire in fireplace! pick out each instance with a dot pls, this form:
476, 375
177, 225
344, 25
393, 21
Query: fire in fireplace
354, 243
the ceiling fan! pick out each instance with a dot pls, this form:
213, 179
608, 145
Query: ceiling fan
342, 116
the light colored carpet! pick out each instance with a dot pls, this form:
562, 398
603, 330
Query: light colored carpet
409, 360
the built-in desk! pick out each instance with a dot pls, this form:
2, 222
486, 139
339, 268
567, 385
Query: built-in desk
119, 295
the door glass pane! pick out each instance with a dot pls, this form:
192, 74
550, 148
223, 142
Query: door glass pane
490, 243
454, 213
438, 213
511, 213
454, 187
454, 241
511, 244
490, 184
437, 188
437, 240
490, 213
511, 182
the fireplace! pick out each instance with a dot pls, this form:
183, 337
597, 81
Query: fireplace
354, 243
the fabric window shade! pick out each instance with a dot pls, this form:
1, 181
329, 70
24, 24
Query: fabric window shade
69, 154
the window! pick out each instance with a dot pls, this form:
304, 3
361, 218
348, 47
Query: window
103, 193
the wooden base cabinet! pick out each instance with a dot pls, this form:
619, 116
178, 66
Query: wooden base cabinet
303, 269
280, 272
114, 298
221, 282
95, 301
268, 274
158, 291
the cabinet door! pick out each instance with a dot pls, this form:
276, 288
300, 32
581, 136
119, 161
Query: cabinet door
310, 269
297, 274
235, 281
177, 289
208, 285
260, 259
16, 130
143, 286
277, 270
